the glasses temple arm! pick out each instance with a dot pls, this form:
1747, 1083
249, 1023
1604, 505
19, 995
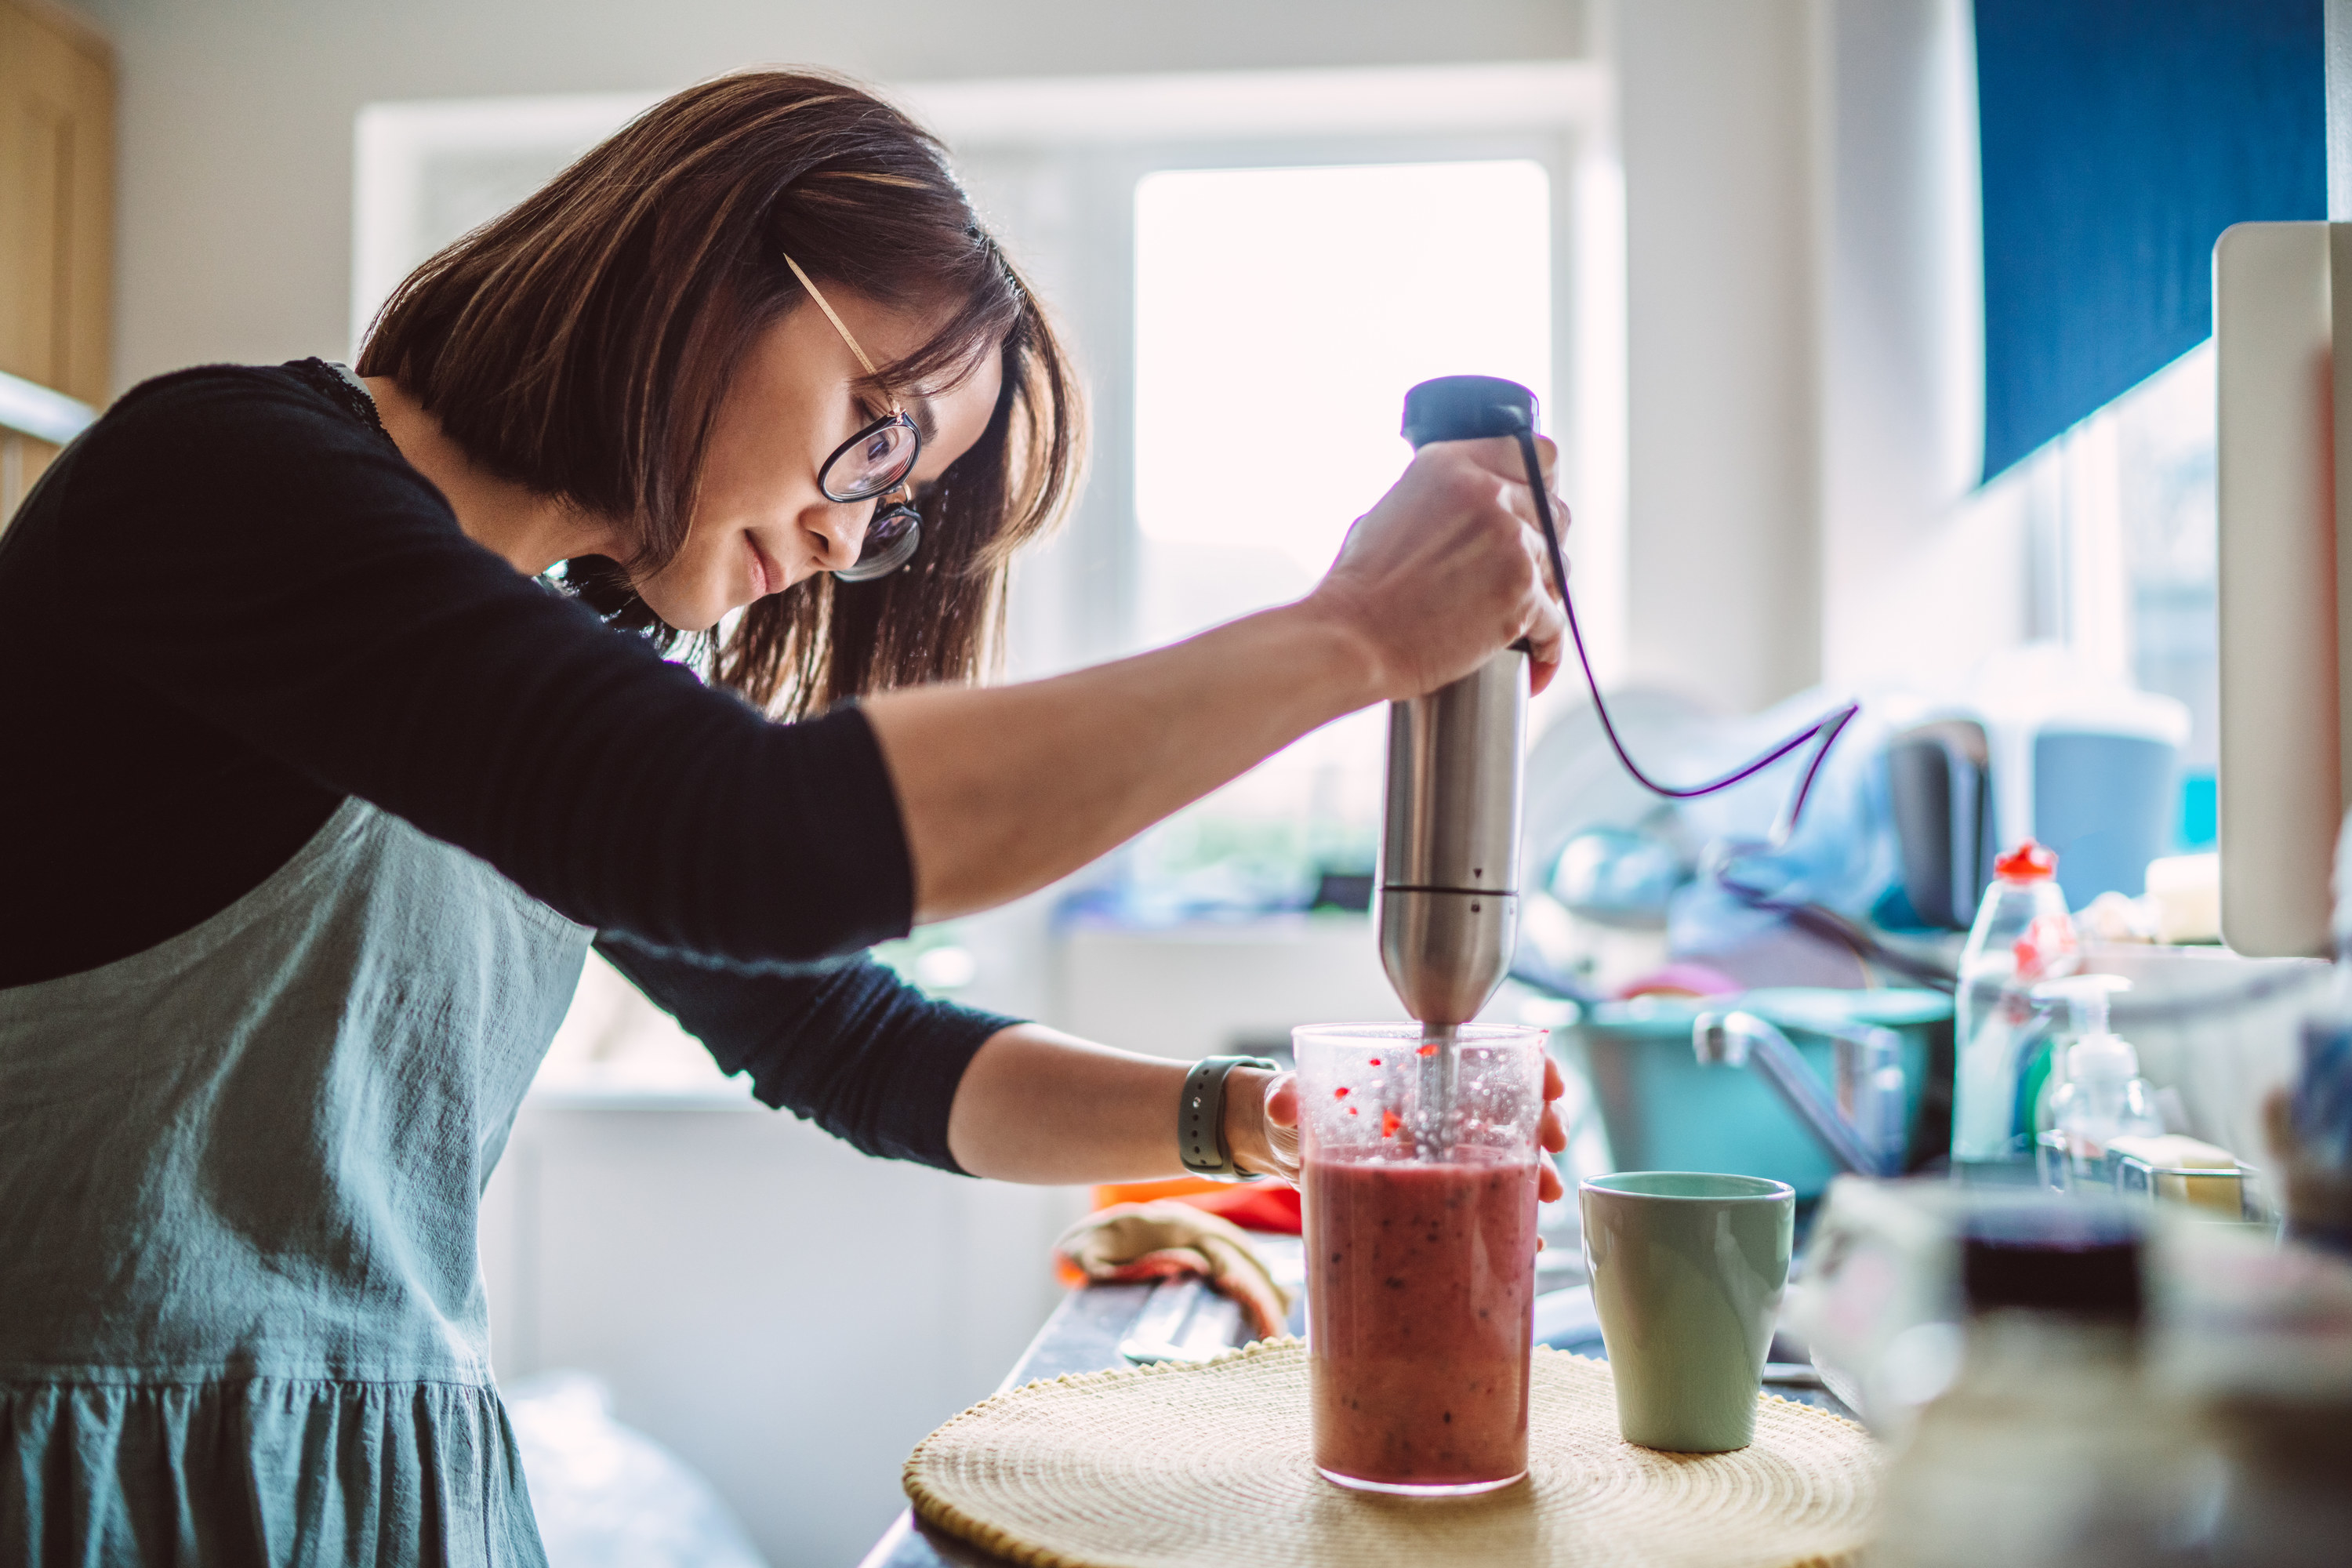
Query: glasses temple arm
823, 305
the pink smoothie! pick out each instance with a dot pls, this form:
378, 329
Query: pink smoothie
1419, 1300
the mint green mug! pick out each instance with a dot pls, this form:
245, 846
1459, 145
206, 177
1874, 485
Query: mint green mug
1687, 1271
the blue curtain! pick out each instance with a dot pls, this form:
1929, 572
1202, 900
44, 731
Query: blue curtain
2120, 138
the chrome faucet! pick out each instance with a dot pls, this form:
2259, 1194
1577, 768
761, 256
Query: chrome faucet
1861, 1125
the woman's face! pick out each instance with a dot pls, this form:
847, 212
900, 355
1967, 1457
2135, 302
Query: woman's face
761, 524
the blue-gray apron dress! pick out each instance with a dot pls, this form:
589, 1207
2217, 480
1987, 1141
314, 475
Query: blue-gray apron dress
241, 1315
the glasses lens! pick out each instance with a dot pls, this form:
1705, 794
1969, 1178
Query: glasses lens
873, 460
891, 539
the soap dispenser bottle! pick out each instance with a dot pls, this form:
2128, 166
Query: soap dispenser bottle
2103, 1096
2022, 936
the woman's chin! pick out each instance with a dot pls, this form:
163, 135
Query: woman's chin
697, 613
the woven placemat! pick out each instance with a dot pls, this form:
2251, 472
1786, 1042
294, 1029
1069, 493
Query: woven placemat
1208, 1466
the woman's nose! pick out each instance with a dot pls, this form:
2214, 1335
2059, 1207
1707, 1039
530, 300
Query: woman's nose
838, 532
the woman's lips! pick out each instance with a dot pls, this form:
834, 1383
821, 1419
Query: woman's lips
766, 576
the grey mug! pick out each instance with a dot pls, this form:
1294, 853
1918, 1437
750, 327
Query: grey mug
1688, 1273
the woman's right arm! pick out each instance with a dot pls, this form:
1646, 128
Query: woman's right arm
259, 570
1003, 789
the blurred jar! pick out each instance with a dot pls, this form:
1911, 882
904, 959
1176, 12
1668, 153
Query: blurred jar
2051, 1445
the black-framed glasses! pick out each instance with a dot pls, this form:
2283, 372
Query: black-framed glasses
869, 465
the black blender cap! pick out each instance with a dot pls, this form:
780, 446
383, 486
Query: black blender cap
2081, 1260
1466, 407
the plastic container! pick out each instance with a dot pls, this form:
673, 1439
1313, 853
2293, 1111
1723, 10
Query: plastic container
2319, 1122
2317, 1151
2102, 1097
1421, 1262
1664, 1111
2022, 936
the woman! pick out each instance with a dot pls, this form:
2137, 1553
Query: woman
318, 799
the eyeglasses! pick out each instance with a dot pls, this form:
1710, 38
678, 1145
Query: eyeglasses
869, 465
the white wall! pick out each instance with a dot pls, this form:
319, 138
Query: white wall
1721, 488
1804, 349
1921, 575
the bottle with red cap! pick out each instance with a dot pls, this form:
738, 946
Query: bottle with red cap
2022, 936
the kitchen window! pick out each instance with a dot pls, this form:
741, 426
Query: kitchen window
2125, 567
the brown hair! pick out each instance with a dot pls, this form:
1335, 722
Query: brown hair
581, 345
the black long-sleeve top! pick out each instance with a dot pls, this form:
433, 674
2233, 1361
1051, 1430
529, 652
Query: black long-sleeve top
231, 604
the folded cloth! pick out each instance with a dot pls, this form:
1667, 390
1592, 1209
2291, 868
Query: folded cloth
1168, 1240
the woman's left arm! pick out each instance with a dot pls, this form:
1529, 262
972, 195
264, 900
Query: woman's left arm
898, 1074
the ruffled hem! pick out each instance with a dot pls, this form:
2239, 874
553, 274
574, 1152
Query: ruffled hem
262, 1469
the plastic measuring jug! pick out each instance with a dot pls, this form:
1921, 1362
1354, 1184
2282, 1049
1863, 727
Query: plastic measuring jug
1420, 1261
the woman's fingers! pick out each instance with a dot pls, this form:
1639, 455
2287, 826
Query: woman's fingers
1546, 636
1553, 1133
1279, 1109
1545, 630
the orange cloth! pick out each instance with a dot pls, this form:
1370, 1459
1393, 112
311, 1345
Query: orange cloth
1112, 1192
1253, 1205
1168, 1240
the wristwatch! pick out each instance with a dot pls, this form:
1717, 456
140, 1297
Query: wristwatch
1200, 1115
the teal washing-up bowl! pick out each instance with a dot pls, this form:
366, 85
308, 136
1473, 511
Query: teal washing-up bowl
1664, 1111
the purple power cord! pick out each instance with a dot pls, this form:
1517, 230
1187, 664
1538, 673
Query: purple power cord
1828, 726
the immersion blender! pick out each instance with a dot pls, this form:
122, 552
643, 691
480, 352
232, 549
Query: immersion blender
1448, 901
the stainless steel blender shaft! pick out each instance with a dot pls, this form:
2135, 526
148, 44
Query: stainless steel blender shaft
1449, 905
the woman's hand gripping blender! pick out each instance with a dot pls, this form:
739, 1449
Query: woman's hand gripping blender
1430, 578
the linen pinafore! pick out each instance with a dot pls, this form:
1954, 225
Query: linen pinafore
241, 1315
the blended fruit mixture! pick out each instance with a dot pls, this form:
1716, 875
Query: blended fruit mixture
1420, 1302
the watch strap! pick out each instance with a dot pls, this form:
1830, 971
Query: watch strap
1200, 1114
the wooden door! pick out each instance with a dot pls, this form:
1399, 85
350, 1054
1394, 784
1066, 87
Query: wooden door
56, 199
